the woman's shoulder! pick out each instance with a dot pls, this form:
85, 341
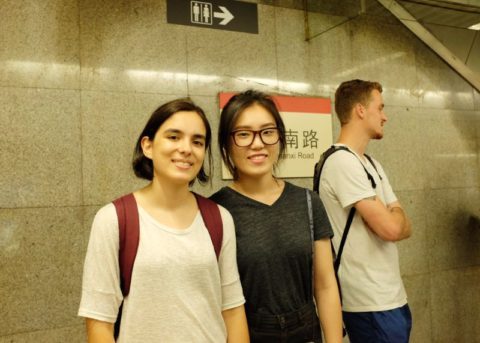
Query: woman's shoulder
219, 194
224, 196
294, 189
106, 216
106, 212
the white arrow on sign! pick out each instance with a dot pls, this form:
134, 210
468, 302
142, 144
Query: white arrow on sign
225, 15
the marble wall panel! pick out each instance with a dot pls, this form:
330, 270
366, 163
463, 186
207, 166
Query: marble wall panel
233, 61
41, 254
40, 46
302, 64
438, 85
450, 136
413, 251
329, 56
71, 334
128, 46
402, 151
377, 56
453, 234
291, 52
455, 300
476, 99
41, 150
427, 148
418, 288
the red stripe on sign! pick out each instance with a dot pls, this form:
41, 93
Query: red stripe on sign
224, 97
291, 103
302, 104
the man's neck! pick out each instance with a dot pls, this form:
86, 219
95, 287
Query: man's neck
356, 140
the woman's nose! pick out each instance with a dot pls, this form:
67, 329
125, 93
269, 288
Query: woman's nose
185, 146
257, 140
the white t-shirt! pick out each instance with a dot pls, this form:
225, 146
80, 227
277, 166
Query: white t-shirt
369, 269
178, 288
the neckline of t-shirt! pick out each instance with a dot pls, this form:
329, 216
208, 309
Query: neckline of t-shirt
363, 160
259, 202
143, 214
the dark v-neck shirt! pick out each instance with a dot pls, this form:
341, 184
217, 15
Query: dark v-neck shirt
274, 248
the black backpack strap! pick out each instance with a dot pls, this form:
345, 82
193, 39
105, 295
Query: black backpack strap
348, 224
374, 166
213, 221
312, 236
321, 162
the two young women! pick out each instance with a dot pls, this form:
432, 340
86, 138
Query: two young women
179, 292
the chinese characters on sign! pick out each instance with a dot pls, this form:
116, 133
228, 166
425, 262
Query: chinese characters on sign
308, 124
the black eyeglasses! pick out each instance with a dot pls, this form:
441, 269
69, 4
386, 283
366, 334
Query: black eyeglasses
244, 137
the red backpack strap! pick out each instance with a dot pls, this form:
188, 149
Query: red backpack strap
213, 221
129, 233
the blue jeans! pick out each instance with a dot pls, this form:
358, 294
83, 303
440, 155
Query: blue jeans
296, 327
391, 326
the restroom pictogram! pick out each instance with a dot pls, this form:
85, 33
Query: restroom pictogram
201, 12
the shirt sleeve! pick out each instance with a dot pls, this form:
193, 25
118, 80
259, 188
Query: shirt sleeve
388, 193
232, 293
101, 293
322, 226
344, 175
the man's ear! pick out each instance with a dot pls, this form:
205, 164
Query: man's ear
147, 146
359, 110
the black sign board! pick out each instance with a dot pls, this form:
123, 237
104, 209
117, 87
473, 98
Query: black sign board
215, 14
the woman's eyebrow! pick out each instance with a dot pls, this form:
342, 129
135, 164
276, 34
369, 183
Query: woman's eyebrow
196, 135
248, 127
173, 131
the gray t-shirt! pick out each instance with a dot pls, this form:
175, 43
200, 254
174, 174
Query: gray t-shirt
274, 248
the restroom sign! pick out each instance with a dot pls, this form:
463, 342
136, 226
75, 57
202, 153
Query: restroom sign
308, 133
216, 14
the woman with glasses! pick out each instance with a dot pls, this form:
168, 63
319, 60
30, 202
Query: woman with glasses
274, 240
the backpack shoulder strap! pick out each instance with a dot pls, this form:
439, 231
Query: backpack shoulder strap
321, 162
334, 148
374, 166
129, 235
312, 236
213, 221
348, 224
